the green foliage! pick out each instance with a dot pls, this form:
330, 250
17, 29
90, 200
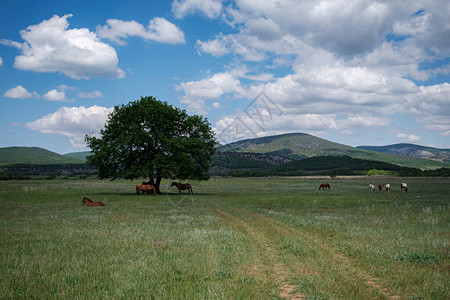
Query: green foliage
340, 164
51, 176
151, 138
375, 172
12, 176
319, 165
412, 172
13, 171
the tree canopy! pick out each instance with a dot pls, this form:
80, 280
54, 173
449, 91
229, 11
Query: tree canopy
150, 138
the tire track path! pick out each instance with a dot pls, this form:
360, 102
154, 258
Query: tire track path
268, 257
342, 263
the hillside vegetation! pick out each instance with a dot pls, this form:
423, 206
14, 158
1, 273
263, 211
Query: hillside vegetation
33, 155
79, 155
300, 145
286, 154
412, 150
226, 164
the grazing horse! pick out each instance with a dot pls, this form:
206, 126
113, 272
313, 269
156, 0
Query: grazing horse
388, 187
380, 187
145, 188
89, 202
325, 186
404, 187
182, 186
371, 187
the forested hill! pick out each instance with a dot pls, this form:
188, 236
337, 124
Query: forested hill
293, 145
79, 155
33, 155
300, 146
271, 150
412, 150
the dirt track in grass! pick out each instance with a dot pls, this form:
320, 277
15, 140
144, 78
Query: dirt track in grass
272, 264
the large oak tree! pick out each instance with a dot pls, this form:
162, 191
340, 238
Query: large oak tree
150, 138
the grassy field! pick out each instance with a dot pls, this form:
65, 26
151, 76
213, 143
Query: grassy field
239, 238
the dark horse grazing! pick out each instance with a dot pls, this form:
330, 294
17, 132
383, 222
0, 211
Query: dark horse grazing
89, 202
182, 186
380, 187
145, 188
324, 186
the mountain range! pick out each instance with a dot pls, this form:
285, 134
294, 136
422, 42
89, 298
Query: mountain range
412, 150
270, 150
300, 146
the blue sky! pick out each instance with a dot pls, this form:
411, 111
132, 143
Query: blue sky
358, 73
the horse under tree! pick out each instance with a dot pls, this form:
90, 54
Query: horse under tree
151, 138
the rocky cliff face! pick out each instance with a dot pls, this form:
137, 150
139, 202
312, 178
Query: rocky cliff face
412, 150
264, 157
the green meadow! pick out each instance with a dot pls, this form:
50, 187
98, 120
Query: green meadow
234, 238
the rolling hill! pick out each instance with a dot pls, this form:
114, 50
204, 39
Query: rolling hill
33, 155
79, 155
255, 164
412, 150
300, 146
284, 153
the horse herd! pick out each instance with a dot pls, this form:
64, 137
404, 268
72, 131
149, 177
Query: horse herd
146, 187
403, 187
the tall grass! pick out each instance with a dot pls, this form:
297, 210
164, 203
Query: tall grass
238, 238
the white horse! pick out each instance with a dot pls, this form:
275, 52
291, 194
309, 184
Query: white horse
371, 187
388, 187
404, 187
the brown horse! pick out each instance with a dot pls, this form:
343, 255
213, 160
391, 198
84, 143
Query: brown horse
380, 187
182, 186
89, 202
145, 188
325, 186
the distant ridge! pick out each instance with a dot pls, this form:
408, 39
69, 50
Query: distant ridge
78, 155
301, 145
412, 150
33, 155
265, 151
293, 145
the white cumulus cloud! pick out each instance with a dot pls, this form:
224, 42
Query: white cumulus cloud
209, 8
407, 138
215, 47
19, 92
158, 29
55, 95
51, 46
94, 94
73, 122
213, 87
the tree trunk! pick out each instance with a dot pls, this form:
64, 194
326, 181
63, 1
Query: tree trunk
157, 184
